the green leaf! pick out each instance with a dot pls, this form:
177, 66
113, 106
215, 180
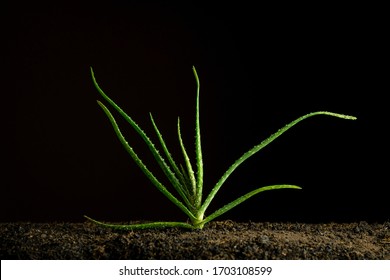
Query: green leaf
143, 225
143, 167
260, 146
198, 146
177, 185
160, 160
241, 199
190, 171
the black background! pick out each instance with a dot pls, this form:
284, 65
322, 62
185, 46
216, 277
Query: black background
260, 67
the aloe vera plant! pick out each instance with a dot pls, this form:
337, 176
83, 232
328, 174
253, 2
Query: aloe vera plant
187, 183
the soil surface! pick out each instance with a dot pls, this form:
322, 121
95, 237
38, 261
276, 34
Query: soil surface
218, 240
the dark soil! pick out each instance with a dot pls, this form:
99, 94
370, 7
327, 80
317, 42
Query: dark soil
218, 240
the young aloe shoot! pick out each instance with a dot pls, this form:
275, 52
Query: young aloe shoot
187, 183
